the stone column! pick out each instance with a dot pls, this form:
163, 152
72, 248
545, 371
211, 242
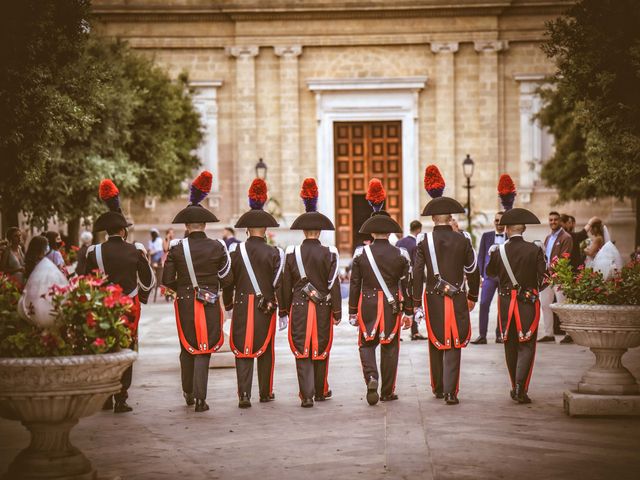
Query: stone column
488, 155
245, 119
445, 112
289, 131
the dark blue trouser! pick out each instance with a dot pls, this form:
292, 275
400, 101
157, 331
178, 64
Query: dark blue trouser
489, 287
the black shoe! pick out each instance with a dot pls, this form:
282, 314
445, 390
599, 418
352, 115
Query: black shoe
439, 395
499, 339
270, 398
244, 402
521, 394
108, 403
323, 397
307, 403
121, 407
417, 336
188, 397
480, 341
451, 399
201, 406
372, 391
567, 339
547, 338
512, 393
389, 398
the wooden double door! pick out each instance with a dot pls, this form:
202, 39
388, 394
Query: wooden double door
362, 151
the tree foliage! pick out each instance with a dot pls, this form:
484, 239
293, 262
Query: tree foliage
594, 109
106, 112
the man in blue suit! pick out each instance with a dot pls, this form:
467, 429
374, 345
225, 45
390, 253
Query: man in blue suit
489, 284
409, 244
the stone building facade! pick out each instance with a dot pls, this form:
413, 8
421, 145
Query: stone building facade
344, 90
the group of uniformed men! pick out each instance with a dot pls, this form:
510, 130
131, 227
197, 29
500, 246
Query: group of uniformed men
260, 286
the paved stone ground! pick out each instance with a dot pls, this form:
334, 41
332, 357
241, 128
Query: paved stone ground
486, 436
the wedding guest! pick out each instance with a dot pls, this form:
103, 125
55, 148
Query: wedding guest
155, 248
85, 239
55, 242
596, 242
229, 236
12, 260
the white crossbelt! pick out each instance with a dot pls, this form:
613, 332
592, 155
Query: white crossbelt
376, 271
247, 264
298, 253
187, 257
432, 254
507, 265
100, 262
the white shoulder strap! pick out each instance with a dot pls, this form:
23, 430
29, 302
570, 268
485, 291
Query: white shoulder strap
99, 259
224, 270
507, 265
187, 257
334, 251
376, 271
301, 270
247, 264
432, 254
281, 267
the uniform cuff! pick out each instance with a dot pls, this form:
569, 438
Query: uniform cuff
353, 310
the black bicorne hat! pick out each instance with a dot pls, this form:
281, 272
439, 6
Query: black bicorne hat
519, 216
113, 219
311, 219
194, 212
380, 221
257, 217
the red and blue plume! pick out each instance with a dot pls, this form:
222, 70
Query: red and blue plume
200, 187
506, 191
257, 194
309, 195
433, 181
110, 194
376, 194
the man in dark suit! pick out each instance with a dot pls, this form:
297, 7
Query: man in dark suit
520, 268
489, 284
409, 244
229, 236
557, 244
197, 268
126, 265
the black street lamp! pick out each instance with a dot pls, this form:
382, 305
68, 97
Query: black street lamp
261, 170
467, 169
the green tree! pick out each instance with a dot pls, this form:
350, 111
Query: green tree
596, 47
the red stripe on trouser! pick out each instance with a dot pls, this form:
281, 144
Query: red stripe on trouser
526, 384
200, 324
273, 364
326, 375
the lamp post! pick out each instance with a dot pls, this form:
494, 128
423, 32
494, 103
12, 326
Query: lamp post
467, 169
261, 170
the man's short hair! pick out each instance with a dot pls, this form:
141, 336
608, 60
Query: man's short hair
444, 218
564, 218
518, 227
231, 230
553, 212
573, 219
196, 226
114, 231
415, 225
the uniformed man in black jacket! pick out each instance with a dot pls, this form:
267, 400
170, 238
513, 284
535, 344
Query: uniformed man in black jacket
448, 258
311, 294
518, 302
378, 295
125, 264
251, 300
197, 268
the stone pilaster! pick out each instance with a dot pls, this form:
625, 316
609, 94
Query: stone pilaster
245, 118
445, 111
488, 156
289, 130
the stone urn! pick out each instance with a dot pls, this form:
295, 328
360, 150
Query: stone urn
607, 388
48, 395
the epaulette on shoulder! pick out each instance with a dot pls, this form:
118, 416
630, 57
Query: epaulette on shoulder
419, 238
174, 242
140, 247
91, 248
233, 246
358, 252
467, 235
334, 250
290, 249
404, 253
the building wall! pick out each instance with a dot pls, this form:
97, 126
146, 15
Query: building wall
474, 59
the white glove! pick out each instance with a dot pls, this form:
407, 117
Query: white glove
283, 322
353, 320
228, 314
418, 315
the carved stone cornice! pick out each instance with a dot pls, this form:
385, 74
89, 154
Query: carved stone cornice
242, 51
489, 46
287, 50
444, 47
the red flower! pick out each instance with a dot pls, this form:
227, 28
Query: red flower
566, 255
125, 300
114, 288
581, 267
111, 301
91, 320
506, 185
108, 189
99, 342
375, 192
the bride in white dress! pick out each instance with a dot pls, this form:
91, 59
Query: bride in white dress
608, 259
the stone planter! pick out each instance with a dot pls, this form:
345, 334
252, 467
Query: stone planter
48, 395
607, 388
